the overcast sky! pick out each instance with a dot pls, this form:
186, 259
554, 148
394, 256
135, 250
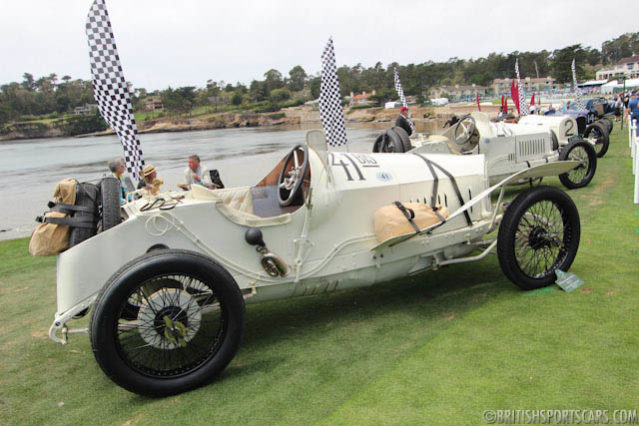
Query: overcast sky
186, 42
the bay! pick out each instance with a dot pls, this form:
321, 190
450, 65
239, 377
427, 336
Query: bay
30, 169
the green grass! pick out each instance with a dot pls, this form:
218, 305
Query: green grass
438, 348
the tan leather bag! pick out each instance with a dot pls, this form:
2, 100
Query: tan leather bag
390, 221
49, 239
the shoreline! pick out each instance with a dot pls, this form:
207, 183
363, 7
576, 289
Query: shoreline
426, 120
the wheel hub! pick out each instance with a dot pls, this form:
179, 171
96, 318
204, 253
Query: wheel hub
538, 238
170, 318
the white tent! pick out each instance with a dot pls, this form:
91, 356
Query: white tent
613, 86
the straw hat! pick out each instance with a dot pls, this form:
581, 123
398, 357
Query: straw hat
148, 170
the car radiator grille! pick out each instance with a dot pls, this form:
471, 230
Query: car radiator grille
530, 148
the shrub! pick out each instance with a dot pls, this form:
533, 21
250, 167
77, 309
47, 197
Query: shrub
82, 124
354, 107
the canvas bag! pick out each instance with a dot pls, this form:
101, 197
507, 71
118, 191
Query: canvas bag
49, 239
391, 221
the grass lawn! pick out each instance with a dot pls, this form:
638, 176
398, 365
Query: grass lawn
438, 348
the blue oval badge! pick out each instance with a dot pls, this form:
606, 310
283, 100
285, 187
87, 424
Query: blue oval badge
384, 176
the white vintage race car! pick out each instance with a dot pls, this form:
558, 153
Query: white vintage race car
508, 147
566, 129
167, 285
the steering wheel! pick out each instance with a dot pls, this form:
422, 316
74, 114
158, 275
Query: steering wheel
464, 130
289, 184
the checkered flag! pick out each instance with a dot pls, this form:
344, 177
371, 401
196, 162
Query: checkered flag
402, 98
109, 86
580, 102
330, 103
523, 105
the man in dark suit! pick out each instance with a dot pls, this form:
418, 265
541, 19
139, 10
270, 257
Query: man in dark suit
402, 120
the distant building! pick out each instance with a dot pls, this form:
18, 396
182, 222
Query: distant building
458, 91
154, 104
361, 99
85, 109
627, 67
501, 86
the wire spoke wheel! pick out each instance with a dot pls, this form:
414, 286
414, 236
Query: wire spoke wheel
179, 326
539, 234
585, 154
539, 239
167, 322
579, 173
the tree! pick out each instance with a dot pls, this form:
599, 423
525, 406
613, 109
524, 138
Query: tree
181, 99
315, 87
273, 80
279, 95
237, 98
258, 91
297, 78
562, 61
29, 82
612, 51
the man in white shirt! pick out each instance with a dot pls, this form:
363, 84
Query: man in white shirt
196, 174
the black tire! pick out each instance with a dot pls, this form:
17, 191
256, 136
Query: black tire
581, 176
539, 234
389, 141
404, 137
600, 136
87, 195
156, 356
555, 140
609, 123
110, 202
380, 142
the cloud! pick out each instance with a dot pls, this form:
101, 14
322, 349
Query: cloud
177, 43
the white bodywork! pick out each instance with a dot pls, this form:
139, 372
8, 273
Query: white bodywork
508, 148
329, 242
564, 126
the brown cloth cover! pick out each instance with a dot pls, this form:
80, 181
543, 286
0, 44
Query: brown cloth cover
389, 221
50, 239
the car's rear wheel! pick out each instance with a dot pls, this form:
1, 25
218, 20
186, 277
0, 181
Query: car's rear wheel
539, 234
597, 134
580, 176
186, 329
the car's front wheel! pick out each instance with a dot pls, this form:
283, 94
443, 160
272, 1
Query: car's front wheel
599, 136
539, 234
581, 175
185, 330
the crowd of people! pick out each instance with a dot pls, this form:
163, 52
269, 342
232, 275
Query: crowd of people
196, 173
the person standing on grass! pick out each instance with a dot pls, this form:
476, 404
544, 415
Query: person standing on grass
633, 109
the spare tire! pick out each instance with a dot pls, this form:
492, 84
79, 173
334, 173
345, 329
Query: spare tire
390, 141
405, 138
110, 202
86, 196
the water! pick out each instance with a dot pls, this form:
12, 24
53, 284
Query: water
30, 169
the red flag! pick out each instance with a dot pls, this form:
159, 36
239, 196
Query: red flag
532, 100
514, 93
505, 99
478, 106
